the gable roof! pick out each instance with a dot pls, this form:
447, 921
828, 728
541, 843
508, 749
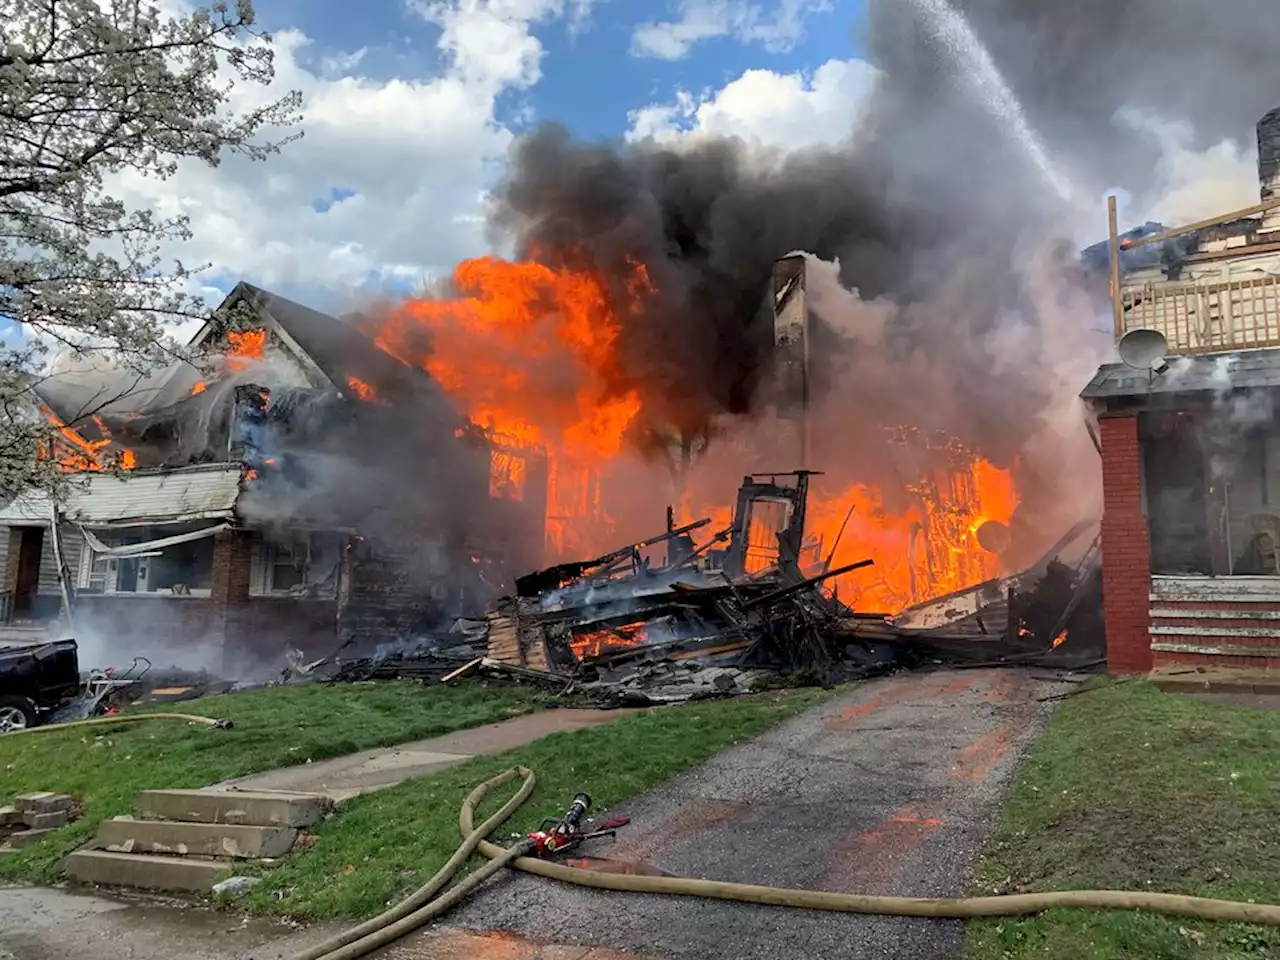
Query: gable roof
333, 348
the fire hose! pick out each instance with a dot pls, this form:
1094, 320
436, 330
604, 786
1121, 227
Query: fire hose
131, 718
420, 907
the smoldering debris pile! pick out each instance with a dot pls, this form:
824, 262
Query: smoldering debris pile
708, 621
665, 620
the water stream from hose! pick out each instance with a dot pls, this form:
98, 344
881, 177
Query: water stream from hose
952, 30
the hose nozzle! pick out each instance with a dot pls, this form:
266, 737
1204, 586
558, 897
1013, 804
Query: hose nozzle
581, 803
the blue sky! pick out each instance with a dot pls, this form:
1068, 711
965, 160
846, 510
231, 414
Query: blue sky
590, 77
410, 109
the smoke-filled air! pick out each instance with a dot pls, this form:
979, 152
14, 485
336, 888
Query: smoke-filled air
953, 325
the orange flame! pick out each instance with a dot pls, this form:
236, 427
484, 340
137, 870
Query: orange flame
926, 549
530, 354
75, 453
200, 387
364, 391
244, 347
506, 349
587, 645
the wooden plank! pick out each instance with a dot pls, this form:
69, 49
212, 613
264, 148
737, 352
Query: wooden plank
1113, 242
504, 642
1262, 207
465, 668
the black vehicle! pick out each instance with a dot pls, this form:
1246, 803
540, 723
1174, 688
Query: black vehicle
36, 679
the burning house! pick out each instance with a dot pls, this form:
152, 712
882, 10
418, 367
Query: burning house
223, 513
1189, 438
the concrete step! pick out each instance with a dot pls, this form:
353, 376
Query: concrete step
146, 872
259, 809
127, 835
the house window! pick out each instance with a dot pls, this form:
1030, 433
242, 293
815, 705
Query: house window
180, 569
289, 566
183, 567
303, 566
95, 580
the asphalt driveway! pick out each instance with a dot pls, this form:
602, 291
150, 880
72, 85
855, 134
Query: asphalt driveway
890, 789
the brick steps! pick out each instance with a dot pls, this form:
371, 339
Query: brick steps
188, 840
1184, 678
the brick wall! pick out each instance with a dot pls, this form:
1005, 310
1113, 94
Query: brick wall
226, 631
258, 632
1126, 548
150, 622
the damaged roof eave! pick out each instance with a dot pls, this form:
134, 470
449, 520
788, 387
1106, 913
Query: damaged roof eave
1199, 373
153, 521
147, 498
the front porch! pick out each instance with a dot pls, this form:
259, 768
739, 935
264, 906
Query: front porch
1191, 525
158, 564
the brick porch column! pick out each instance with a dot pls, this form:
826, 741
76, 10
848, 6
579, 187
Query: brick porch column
231, 559
232, 556
1126, 549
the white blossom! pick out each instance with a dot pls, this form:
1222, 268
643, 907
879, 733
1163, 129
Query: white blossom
90, 90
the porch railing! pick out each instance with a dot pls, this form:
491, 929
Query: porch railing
1206, 317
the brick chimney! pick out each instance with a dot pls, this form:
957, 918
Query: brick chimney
791, 352
1269, 167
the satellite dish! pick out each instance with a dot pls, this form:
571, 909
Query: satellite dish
1145, 350
993, 536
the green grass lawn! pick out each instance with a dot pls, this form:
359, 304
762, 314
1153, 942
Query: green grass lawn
383, 844
1134, 789
104, 767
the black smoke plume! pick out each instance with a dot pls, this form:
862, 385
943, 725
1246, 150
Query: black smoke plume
968, 312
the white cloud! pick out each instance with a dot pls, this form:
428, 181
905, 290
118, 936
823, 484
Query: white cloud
417, 155
1190, 184
781, 110
707, 19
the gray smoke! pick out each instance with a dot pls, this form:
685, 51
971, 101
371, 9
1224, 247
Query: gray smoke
1073, 65
960, 304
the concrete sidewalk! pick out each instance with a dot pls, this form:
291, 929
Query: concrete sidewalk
342, 778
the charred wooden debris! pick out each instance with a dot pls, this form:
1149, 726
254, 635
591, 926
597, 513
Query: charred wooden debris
666, 620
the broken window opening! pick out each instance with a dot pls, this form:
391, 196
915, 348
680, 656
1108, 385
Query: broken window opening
178, 569
507, 474
1209, 486
306, 565
767, 518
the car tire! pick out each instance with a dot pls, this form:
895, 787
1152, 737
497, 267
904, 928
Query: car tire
17, 713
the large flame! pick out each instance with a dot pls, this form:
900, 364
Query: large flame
529, 353
928, 549
75, 453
